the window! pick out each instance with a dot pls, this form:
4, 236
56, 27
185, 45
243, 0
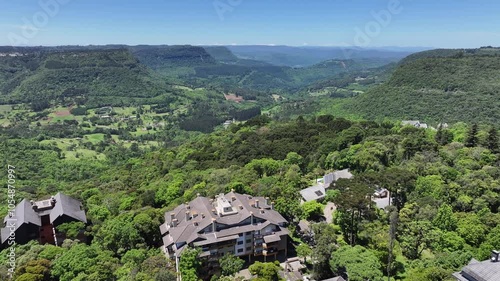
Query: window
240, 242
249, 240
249, 233
240, 250
240, 235
249, 249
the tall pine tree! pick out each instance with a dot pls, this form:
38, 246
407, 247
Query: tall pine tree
471, 140
493, 145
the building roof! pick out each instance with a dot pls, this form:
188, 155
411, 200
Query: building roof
304, 226
193, 222
57, 206
479, 271
411, 122
338, 278
415, 123
68, 206
316, 192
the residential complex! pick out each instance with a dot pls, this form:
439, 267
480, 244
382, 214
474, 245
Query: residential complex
37, 220
233, 223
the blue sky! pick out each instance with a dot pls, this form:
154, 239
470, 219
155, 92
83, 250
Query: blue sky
436, 23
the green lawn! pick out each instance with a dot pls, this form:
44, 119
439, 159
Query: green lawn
5, 108
94, 138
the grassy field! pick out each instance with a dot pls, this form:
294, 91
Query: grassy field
94, 138
73, 149
322, 92
5, 108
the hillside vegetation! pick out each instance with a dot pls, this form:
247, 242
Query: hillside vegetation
445, 193
95, 77
461, 86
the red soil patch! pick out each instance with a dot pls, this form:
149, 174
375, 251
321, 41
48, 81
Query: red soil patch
63, 113
233, 97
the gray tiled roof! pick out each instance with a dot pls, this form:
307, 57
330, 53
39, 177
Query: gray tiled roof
193, 218
479, 271
316, 192
23, 213
68, 206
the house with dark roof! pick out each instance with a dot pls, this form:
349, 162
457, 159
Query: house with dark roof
233, 223
488, 270
37, 220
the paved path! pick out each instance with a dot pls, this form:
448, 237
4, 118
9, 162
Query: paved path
328, 211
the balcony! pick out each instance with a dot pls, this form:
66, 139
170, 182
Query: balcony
269, 245
270, 251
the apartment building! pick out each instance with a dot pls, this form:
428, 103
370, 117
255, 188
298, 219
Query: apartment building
233, 223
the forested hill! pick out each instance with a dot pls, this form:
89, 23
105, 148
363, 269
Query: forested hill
221, 53
443, 53
172, 56
435, 86
94, 76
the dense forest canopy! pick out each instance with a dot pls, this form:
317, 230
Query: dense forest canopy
441, 187
438, 86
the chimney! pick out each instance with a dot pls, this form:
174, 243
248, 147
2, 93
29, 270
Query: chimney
32, 202
188, 215
174, 223
52, 200
213, 225
197, 194
233, 198
495, 255
195, 215
267, 201
251, 218
202, 215
272, 205
257, 203
187, 206
172, 216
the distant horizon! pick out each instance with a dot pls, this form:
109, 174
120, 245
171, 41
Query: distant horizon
369, 24
231, 45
